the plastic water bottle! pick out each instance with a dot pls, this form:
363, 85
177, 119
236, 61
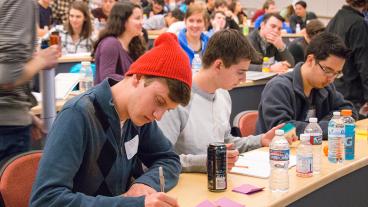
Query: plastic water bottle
349, 123
279, 162
196, 63
266, 65
316, 134
304, 157
297, 28
336, 137
86, 81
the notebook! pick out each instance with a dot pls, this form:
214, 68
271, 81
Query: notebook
64, 84
256, 75
256, 163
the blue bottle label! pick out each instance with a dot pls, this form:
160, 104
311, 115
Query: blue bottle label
279, 155
349, 141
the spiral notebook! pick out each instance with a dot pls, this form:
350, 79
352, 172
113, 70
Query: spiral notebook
256, 163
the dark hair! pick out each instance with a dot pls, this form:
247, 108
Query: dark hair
159, 2
301, 3
119, 15
269, 15
177, 14
213, 14
87, 25
357, 3
219, 3
179, 92
267, 4
314, 27
325, 44
230, 46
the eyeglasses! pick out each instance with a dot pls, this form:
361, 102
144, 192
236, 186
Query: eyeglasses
330, 73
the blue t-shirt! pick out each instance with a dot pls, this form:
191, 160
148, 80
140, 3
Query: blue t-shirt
45, 16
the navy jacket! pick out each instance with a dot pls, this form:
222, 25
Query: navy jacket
85, 161
283, 101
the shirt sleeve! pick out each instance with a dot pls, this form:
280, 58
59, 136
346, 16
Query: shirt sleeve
17, 37
109, 57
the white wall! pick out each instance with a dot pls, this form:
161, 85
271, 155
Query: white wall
324, 8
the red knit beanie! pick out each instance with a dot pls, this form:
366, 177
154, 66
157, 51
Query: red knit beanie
165, 59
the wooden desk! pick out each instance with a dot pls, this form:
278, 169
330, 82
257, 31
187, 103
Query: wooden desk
192, 188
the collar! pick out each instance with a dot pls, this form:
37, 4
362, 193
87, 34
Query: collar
349, 8
202, 93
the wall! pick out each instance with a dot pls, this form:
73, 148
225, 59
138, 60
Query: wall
323, 8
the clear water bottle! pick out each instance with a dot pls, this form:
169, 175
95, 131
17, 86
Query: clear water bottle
316, 134
349, 123
196, 63
297, 28
336, 137
86, 81
304, 157
279, 162
266, 65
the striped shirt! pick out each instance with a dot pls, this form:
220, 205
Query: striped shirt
18, 20
71, 47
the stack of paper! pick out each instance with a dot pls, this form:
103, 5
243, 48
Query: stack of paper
256, 163
64, 84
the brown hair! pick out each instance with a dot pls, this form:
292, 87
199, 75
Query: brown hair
357, 3
179, 92
314, 27
87, 25
230, 46
195, 9
119, 15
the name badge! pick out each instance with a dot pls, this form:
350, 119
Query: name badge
131, 147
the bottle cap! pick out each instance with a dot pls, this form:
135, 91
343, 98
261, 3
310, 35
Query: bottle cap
279, 132
266, 59
304, 137
346, 112
85, 63
336, 113
313, 120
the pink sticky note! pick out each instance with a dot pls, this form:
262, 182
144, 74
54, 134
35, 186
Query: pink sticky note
206, 203
225, 202
247, 189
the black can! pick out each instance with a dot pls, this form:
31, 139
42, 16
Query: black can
216, 167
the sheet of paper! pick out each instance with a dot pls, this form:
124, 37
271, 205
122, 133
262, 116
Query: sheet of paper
225, 202
206, 203
256, 163
64, 84
247, 189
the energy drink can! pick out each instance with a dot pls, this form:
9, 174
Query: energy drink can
216, 167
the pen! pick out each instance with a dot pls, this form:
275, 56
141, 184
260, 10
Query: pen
162, 179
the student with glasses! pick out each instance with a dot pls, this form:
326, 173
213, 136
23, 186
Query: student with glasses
307, 91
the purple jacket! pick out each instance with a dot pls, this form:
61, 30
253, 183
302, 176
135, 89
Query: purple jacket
112, 61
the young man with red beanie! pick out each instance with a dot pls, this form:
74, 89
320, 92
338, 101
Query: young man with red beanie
100, 138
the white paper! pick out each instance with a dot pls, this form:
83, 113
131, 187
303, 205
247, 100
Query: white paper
64, 84
258, 164
131, 147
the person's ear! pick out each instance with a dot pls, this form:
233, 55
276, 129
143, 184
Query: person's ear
136, 79
218, 64
310, 60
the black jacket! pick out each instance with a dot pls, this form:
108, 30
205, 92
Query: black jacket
298, 20
283, 100
349, 24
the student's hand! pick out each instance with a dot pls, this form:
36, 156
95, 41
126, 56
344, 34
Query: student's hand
139, 189
275, 39
280, 67
268, 136
48, 57
232, 156
37, 130
160, 199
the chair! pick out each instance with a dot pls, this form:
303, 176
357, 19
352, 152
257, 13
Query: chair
246, 122
17, 177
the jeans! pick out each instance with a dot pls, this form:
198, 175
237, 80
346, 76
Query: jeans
14, 140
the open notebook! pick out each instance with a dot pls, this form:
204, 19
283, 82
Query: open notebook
65, 83
257, 164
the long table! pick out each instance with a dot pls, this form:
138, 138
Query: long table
337, 185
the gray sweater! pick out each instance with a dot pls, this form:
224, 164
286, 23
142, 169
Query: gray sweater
204, 120
17, 42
